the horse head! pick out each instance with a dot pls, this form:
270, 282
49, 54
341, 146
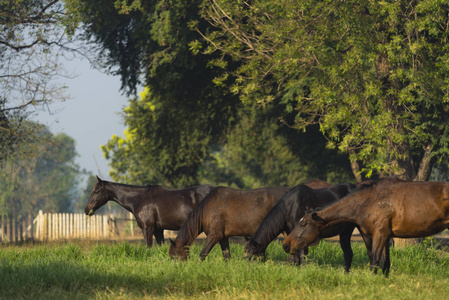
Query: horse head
99, 197
253, 249
177, 250
306, 233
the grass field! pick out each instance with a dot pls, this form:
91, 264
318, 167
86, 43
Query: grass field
128, 270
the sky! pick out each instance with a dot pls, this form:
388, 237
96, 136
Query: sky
91, 115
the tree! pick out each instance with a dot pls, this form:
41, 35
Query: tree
184, 113
261, 151
42, 174
373, 75
257, 151
32, 37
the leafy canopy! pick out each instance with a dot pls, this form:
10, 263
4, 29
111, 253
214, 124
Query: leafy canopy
372, 74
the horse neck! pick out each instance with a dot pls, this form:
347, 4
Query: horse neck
127, 196
345, 210
191, 228
272, 225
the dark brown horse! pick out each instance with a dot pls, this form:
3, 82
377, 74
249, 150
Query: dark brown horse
382, 210
225, 212
154, 207
290, 209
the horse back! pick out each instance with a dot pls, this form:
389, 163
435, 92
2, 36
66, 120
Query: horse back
301, 199
411, 208
170, 208
238, 212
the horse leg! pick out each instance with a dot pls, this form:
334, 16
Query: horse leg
208, 245
148, 235
345, 244
224, 244
379, 244
159, 235
368, 240
385, 260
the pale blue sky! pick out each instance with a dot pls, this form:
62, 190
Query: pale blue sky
91, 116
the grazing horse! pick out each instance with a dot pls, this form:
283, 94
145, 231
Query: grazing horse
154, 207
382, 210
290, 209
225, 212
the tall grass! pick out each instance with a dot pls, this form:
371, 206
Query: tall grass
124, 270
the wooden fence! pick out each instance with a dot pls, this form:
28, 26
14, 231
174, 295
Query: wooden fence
54, 226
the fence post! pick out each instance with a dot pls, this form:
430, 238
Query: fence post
11, 231
105, 226
2, 228
23, 229
30, 220
2, 238
77, 226
45, 236
38, 225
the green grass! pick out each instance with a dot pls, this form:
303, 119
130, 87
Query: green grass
126, 270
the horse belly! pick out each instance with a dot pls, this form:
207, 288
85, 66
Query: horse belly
245, 226
415, 228
172, 219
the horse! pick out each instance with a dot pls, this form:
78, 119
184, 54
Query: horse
290, 209
382, 210
154, 207
227, 212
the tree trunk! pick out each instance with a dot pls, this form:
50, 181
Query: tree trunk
355, 166
425, 167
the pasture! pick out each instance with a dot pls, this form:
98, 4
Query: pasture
129, 270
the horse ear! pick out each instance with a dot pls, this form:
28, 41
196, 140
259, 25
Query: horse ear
99, 180
317, 218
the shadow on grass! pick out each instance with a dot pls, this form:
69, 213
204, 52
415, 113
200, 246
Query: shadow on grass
51, 280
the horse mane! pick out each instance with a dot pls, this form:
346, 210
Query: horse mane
148, 186
275, 221
272, 225
155, 189
368, 184
192, 227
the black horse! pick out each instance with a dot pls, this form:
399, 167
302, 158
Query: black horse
290, 209
154, 207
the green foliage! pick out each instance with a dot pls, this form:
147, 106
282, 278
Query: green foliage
371, 75
257, 150
164, 143
41, 175
260, 151
182, 111
368, 72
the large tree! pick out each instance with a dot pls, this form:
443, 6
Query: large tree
257, 150
372, 74
186, 111
32, 38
